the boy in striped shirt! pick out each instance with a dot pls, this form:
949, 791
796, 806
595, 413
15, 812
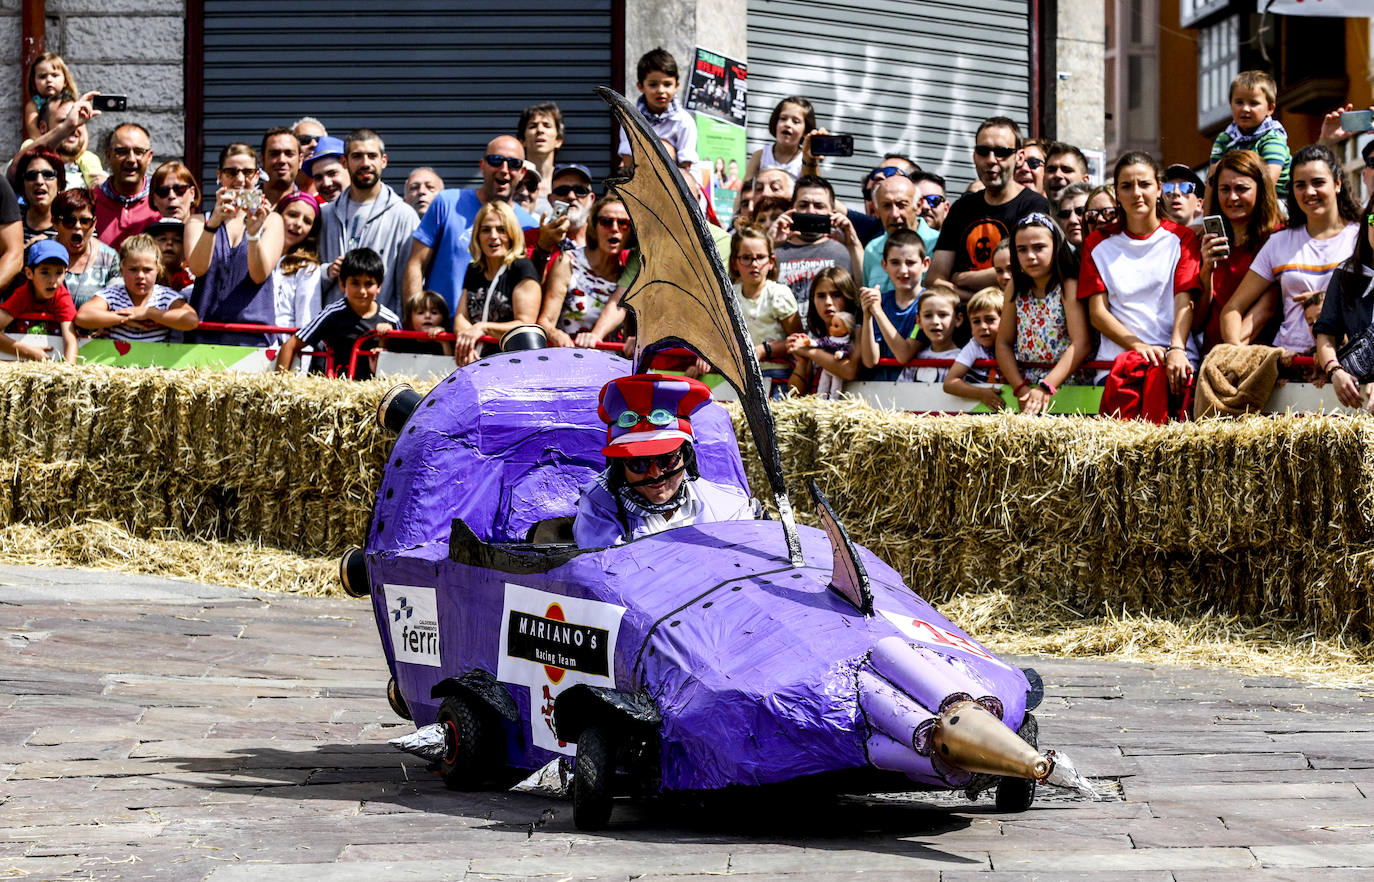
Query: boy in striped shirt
1254, 95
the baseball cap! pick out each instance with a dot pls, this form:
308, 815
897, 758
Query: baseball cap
45, 250
163, 225
1180, 172
326, 147
532, 173
573, 167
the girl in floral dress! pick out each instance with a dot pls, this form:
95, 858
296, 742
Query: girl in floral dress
1043, 336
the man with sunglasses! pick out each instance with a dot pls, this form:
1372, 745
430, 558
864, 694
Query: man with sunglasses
308, 132
651, 482
1182, 195
565, 227
122, 207
439, 256
980, 220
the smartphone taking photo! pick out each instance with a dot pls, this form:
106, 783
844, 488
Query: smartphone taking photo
832, 145
1356, 121
115, 103
811, 224
1213, 225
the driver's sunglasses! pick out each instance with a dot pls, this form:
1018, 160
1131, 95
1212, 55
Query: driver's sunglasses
665, 461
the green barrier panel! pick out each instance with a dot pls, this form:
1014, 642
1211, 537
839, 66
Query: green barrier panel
1069, 400
164, 355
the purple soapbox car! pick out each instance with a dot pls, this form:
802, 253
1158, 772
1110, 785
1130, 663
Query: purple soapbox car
696, 659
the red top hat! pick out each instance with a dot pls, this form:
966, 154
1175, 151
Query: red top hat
648, 414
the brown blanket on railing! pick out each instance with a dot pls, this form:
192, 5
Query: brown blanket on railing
1235, 380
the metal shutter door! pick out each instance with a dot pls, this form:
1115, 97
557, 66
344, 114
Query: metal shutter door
898, 75
435, 80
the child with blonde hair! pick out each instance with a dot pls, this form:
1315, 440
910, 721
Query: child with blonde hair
137, 308
984, 315
49, 78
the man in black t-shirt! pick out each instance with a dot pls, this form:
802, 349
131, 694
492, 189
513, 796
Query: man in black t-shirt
978, 221
11, 235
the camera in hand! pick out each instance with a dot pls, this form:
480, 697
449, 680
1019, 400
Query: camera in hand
115, 103
248, 200
1213, 225
832, 145
811, 224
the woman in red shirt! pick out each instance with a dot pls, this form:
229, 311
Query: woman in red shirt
1245, 198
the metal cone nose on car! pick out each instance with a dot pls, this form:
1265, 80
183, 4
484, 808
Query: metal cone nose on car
968, 737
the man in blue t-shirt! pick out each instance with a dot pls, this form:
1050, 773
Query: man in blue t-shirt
439, 255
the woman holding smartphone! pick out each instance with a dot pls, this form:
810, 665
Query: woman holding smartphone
1244, 204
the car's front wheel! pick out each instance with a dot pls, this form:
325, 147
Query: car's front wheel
474, 744
593, 779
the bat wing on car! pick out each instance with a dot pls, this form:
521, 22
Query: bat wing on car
682, 294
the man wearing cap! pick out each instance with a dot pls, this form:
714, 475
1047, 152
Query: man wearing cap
571, 186
326, 168
1182, 195
43, 292
369, 214
651, 482
439, 258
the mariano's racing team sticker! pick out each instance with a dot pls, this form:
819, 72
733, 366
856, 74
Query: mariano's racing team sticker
550, 642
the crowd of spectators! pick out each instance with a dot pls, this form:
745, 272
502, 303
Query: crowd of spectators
1033, 267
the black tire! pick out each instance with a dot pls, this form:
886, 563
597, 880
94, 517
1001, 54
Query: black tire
593, 777
474, 755
353, 573
1017, 794
397, 700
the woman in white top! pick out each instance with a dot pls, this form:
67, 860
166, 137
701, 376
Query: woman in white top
792, 120
1323, 223
581, 281
1140, 275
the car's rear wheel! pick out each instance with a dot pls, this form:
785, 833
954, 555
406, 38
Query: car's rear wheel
593, 779
1017, 794
474, 744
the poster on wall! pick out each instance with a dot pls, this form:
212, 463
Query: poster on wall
716, 95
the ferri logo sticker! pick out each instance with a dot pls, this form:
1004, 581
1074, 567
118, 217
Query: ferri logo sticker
413, 618
550, 642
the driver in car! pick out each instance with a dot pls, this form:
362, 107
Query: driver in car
651, 482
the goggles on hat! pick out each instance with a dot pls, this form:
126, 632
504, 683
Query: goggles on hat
657, 417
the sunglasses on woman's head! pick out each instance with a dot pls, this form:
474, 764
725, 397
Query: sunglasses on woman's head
665, 462
510, 162
986, 150
167, 190
34, 174
609, 222
572, 190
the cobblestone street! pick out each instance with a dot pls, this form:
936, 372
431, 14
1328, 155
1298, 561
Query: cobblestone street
154, 729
